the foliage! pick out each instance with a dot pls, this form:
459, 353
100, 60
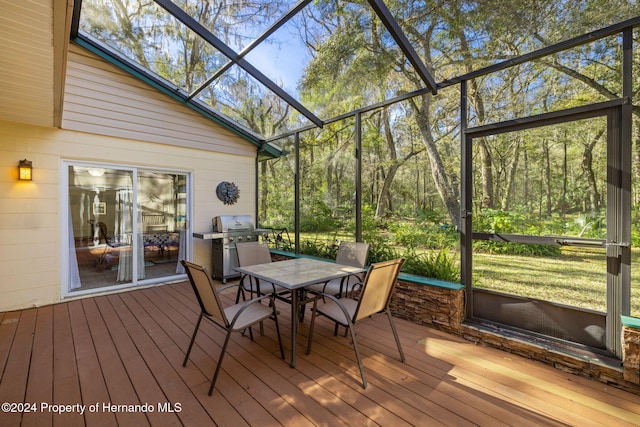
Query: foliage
318, 248
381, 250
317, 217
504, 222
428, 236
436, 264
591, 225
635, 228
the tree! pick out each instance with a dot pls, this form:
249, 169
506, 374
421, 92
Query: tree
393, 162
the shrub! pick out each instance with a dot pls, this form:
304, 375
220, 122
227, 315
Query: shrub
318, 248
317, 217
381, 250
495, 221
430, 236
435, 264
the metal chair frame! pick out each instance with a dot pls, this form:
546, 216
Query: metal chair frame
243, 315
374, 298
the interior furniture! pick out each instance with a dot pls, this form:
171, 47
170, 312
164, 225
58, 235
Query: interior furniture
161, 240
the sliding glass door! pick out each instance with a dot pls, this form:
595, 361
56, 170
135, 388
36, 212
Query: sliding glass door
126, 225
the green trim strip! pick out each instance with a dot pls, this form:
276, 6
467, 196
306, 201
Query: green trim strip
631, 322
270, 151
428, 281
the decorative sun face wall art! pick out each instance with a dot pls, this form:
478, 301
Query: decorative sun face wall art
228, 192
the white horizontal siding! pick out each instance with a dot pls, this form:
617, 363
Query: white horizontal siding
100, 98
26, 62
31, 214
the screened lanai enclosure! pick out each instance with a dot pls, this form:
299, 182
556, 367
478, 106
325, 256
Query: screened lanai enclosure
495, 143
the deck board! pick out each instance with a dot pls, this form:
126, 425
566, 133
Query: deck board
140, 376
128, 349
66, 384
528, 390
118, 385
16, 370
170, 382
92, 380
40, 381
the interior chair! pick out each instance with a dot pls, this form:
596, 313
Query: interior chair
252, 253
235, 318
374, 298
353, 254
104, 260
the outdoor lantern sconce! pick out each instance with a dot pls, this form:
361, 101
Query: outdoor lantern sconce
25, 169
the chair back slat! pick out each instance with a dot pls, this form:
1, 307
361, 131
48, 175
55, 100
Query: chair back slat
353, 254
377, 288
252, 253
205, 291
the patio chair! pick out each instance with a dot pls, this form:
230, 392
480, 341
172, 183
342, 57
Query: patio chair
374, 298
112, 242
235, 318
353, 254
252, 253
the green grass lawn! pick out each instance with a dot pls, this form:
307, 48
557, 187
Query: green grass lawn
576, 278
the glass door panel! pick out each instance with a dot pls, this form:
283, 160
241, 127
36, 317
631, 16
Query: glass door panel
126, 226
100, 227
162, 207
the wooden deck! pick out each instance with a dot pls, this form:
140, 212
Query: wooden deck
127, 349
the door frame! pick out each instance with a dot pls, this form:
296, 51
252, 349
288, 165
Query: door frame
64, 225
618, 211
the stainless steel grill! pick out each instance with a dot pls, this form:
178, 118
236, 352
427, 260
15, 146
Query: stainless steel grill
227, 230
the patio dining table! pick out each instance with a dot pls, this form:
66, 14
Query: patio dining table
295, 275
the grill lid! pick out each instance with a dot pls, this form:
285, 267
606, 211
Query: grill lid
229, 223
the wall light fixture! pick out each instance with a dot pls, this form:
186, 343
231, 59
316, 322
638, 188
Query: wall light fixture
25, 170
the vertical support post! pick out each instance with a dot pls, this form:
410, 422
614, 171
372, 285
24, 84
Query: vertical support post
358, 177
626, 155
257, 189
466, 207
619, 204
296, 193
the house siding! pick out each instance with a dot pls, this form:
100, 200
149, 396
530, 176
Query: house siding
109, 117
27, 63
101, 98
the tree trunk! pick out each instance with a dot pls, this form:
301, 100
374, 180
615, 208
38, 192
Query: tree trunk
526, 179
486, 165
510, 175
587, 168
486, 162
448, 195
563, 197
384, 205
637, 158
263, 193
384, 198
547, 175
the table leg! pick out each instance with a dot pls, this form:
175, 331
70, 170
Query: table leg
294, 325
